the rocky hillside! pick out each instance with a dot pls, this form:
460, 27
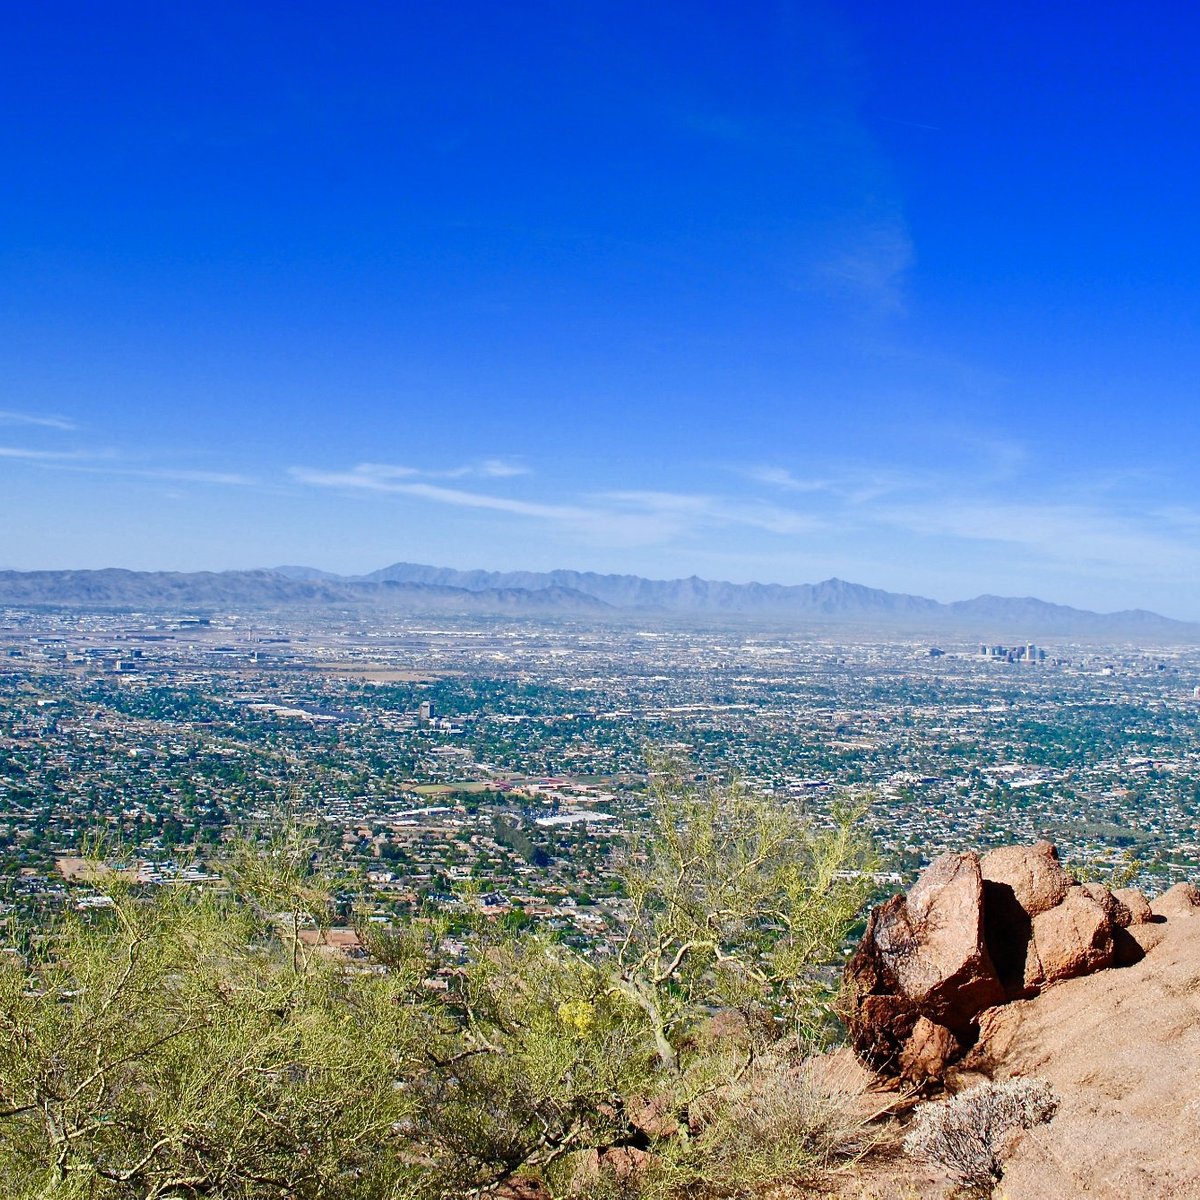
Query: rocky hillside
830, 601
1003, 967
207, 590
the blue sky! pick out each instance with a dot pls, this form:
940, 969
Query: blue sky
905, 294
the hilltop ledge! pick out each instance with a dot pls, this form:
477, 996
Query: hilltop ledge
1002, 966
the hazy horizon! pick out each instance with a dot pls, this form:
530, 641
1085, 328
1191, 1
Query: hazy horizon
516, 570
901, 297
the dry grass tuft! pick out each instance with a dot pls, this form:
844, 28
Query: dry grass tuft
964, 1135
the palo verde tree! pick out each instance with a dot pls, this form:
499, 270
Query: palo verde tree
176, 1046
561, 1064
736, 901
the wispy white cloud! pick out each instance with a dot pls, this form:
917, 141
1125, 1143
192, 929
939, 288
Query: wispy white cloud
184, 475
984, 513
870, 263
704, 510
1083, 537
644, 517
988, 503
499, 468
110, 462
40, 420
46, 456
371, 477
781, 477
489, 468
857, 485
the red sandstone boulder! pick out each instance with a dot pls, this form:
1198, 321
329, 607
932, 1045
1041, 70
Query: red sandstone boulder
1037, 879
1114, 908
1019, 883
1073, 938
1140, 912
973, 934
1127, 949
934, 944
922, 957
1183, 900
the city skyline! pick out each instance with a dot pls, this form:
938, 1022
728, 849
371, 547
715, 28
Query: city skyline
901, 297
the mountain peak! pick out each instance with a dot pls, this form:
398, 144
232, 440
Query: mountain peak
419, 587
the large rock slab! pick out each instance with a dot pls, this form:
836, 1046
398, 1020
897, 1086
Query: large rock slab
923, 957
1120, 1049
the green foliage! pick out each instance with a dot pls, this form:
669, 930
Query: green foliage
545, 1054
1121, 875
736, 899
178, 1046
170, 1049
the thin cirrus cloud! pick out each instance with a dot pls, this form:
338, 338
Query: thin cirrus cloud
183, 475
93, 462
782, 478
707, 511
25, 454
644, 517
858, 486
489, 468
1082, 528
1085, 538
37, 420
870, 264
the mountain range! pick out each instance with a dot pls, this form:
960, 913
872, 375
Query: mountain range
417, 588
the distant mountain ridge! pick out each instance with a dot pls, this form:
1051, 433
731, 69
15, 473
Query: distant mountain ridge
831, 600
418, 588
118, 588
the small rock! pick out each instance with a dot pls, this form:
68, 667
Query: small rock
1114, 908
1183, 900
927, 1052
1140, 912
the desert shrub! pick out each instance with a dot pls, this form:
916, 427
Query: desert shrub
178, 1046
540, 1061
736, 900
964, 1135
783, 1122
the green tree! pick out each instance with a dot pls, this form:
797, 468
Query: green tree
737, 902
185, 1046
561, 1065
175, 1049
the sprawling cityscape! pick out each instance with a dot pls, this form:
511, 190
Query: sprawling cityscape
500, 766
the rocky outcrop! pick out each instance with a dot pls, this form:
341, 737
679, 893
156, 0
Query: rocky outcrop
974, 933
1120, 1048
923, 968
1031, 875
1183, 900
1138, 907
